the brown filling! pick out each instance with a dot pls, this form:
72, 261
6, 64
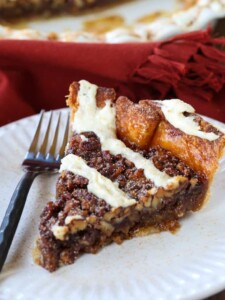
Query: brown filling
100, 224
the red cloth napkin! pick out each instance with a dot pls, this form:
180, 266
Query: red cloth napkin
36, 74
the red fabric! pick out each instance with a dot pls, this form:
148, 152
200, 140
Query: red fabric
37, 74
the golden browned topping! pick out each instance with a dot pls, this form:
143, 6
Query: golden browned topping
145, 125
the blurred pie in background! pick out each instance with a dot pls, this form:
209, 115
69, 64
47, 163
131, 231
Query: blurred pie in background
17, 8
110, 21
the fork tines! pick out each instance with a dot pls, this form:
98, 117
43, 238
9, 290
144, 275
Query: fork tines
46, 155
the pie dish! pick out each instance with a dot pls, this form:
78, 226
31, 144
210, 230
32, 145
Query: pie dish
120, 177
126, 21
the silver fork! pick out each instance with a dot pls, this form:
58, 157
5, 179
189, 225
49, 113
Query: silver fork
36, 162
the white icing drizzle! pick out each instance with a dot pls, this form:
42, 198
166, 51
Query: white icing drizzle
102, 121
98, 185
173, 111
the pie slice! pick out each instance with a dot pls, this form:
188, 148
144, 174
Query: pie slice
121, 176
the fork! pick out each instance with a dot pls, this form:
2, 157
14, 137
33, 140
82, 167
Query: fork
36, 161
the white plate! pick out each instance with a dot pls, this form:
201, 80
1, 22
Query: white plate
187, 265
176, 18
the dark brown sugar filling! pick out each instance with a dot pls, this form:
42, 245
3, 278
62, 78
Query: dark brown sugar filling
103, 224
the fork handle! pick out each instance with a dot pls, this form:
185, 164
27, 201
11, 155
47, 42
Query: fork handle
13, 214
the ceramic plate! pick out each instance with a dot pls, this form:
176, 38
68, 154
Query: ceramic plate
187, 265
129, 21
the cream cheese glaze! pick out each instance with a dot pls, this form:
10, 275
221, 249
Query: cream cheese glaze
98, 185
173, 111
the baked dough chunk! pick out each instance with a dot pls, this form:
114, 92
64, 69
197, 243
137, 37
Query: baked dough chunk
173, 125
